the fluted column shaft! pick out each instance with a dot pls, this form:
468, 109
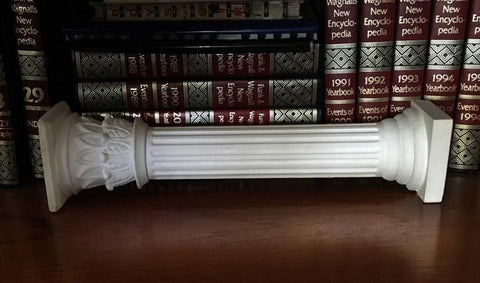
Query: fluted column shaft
264, 152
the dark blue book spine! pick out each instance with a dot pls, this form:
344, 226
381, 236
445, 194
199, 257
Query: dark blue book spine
306, 28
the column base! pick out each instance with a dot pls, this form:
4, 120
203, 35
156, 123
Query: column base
53, 129
434, 147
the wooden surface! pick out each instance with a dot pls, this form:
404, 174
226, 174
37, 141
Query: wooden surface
352, 230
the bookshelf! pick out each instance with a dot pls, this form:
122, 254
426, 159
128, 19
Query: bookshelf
277, 230
304, 230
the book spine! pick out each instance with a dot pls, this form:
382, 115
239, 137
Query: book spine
447, 37
218, 117
247, 94
341, 49
410, 58
197, 11
32, 60
465, 147
225, 31
376, 59
8, 157
189, 1
120, 36
133, 66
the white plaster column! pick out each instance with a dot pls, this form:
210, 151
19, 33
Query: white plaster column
81, 153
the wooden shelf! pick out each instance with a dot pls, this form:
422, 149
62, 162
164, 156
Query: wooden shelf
244, 230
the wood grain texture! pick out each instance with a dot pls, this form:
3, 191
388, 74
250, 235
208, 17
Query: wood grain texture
323, 230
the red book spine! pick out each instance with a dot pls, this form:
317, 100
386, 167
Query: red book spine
465, 148
31, 57
218, 117
447, 37
8, 165
376, 56
410, 58
239, 94
341, 49
135, 66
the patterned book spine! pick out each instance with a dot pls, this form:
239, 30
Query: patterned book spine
31, 57
218, 117
447, 37
247, 94
132, 66
465, 149
376, 56
411, 46
8, 158
341, 49
238, 10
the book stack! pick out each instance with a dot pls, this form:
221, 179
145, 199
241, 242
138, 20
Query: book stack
197, 62
14, 161
8, 157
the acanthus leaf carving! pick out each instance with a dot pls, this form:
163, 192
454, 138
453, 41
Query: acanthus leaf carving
104, 152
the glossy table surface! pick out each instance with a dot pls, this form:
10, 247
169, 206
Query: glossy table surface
306, 230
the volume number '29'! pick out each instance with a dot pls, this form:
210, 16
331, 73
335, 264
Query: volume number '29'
34, 95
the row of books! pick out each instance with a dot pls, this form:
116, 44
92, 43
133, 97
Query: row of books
380, 55
197, 62
393, 52
245, 72
40, 28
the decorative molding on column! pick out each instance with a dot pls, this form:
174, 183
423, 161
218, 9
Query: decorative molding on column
107, 152
81, 153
